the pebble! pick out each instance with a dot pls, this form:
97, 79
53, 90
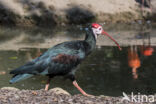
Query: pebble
51, 97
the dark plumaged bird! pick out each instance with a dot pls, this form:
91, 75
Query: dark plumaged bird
62, 59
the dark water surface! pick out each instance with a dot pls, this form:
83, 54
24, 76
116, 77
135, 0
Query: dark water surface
107, 71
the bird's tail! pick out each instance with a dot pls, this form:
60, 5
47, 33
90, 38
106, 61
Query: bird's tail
20, 77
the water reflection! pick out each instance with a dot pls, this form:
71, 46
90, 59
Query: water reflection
146, 48
13, 38
133, 60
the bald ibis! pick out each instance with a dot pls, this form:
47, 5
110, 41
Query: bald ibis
62, 59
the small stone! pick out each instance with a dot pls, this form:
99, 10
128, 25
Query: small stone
10, 88
34, 92
59, 91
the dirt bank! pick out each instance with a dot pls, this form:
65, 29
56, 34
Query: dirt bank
10, 95
16, 96
52, 12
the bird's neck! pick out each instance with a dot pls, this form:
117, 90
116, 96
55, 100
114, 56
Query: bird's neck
90, 39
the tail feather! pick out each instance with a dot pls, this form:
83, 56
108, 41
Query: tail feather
22, 70
27, 68
20, 77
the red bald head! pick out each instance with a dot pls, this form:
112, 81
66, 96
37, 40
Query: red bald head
95, 25
97, 29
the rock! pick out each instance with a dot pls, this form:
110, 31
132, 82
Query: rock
58, 90
51, 97
10, 88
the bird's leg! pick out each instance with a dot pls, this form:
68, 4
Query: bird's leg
48, 83
72, 78
79, 88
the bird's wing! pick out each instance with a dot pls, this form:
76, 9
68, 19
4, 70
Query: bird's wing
64, 58
64, 62
59, 57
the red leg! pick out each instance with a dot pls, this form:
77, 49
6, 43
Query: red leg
79, 88
47, 85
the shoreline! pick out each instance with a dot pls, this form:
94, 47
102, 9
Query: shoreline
56, 96
52, 96
16, 38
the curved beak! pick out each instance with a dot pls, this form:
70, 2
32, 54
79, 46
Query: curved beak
103, 32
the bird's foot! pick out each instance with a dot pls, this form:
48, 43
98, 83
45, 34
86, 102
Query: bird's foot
48, 84
46, 87
88, 95
79, 88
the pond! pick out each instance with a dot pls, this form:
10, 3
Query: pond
107, 71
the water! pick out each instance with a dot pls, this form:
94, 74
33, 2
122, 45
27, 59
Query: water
107, 71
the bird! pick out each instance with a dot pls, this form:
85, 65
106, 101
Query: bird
61, 59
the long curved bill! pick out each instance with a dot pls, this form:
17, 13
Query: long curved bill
103, 32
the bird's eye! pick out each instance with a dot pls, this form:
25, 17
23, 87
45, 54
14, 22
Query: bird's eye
99, 28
